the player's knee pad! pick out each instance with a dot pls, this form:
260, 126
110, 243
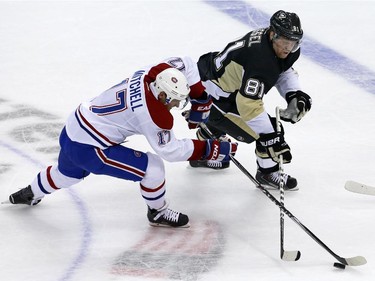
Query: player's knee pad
155, 172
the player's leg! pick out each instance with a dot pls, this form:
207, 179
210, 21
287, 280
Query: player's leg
146, 168
62, 175
221, 123
153, 189
268, 168
221, 126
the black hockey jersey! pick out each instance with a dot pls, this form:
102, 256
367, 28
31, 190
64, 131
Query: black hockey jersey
248, 65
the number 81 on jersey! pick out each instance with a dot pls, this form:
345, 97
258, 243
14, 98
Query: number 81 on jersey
254, 88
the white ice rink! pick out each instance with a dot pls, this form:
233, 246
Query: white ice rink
55, 54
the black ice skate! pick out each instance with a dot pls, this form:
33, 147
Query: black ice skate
216, 165
24, 196
167, 218
272, 181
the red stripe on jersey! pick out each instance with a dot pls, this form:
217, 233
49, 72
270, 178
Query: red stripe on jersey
87, 123
119, 165
49, 178
146, 189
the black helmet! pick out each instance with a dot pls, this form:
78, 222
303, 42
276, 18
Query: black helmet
287, 25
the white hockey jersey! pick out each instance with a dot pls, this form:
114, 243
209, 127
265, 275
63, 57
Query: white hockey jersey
130, 108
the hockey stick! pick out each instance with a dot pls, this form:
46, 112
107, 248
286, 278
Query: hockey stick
284, 255
353, 261
360, 188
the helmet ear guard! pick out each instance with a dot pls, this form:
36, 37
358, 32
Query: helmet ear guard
173, 83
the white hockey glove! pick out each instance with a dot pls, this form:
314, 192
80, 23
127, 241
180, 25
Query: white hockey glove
299, 103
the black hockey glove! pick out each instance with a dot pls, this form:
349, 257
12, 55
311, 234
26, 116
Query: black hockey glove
299, 103
273, 144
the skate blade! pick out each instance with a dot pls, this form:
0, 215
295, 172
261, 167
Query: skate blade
271, 188
154, 224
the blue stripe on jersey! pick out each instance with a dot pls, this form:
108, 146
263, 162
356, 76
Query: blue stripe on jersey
41, 185
88, 132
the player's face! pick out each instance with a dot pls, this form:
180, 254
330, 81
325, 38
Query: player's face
173, 103
283, 46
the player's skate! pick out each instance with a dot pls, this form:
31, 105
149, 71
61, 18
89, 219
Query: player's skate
24, 196
167, 217
217, 165
272, 181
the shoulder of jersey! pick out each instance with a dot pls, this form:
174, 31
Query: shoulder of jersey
158, 112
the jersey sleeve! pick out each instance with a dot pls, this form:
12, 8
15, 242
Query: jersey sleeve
192, 75
288, 82
171, 149
190, 69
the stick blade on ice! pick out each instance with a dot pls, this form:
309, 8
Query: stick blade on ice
291, 255
360, 188
356, 261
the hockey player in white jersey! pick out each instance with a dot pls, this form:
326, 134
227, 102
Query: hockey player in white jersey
93, 136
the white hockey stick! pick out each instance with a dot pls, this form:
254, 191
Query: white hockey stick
284, 255
360, 188
352, 261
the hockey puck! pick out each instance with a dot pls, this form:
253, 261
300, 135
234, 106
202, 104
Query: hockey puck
339, 265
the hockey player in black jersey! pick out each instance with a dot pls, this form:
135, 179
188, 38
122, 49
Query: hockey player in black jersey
239, 76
